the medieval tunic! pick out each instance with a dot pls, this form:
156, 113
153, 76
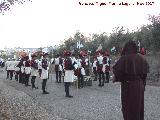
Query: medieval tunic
94, 69
34, 72
34, 68
100, 70
17, 70
106, 68
69, 73
21, 72
44, 74
27, 71
131, 70
27, 67
58, 68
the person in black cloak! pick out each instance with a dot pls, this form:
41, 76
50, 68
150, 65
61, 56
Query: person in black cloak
131, 70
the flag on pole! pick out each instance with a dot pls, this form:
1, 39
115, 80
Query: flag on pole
139, 45
79, 45
99, 48
89, 51
45, 50
113, 49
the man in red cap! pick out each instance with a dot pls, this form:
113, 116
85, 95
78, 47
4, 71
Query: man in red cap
27, 70
100, 69
21, 72
82, 72
69, 72
94, 67
44, 75
106, 66
58, 68
34, 70
17, 70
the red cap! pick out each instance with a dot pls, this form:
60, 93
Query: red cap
33, 55
43, 54
107, 53
99, 52
83, 53
66, 53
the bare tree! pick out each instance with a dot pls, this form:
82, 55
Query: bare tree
5, 4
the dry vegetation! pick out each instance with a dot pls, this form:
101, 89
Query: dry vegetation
154, 74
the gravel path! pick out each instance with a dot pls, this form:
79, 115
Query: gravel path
89, 103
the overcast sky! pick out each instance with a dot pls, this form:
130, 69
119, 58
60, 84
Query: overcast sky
47, 22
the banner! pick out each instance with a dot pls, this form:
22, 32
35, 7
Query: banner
99, 48
79, 45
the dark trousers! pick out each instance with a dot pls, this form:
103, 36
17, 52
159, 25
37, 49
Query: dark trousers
58, 76
16, 75
63, 72
33, 81
21, 78
95, 73
80, 81
107, 77
40, 72
44, 85
11, 74
101, 78
67, 84
8, 71
27, 79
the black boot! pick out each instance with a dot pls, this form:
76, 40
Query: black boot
69, 96
33, 86
45, 92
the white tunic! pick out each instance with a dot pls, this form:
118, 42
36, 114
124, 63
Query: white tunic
27, 70
56, 61
44, 74
69, 76
12, 65
100, 59
7, 65
34, 72
95, 63
17, 68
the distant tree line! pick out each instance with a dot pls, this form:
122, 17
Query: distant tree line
147, 35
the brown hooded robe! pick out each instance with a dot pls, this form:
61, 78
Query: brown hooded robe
131, 70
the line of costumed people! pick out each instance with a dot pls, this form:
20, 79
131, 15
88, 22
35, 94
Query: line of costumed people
101, 67
79, 65
26, 68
